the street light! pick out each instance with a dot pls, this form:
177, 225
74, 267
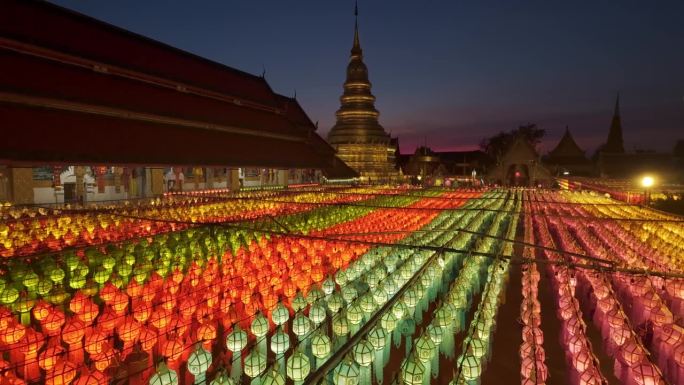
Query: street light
647, 182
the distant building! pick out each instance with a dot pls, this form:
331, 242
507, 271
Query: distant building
613, 162
520, 166
429, 167
361, 142
567, 158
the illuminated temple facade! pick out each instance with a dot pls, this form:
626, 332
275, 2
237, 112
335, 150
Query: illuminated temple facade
358, 137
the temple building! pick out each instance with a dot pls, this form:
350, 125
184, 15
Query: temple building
131, 117
444, 168
567, 158
361, 142
520, 166
612, 161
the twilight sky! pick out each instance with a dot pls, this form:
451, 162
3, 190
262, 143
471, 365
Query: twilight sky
451, 71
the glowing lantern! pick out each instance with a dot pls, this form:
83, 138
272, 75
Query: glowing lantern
280, 342
301, 325
298, 367
255, 364
273, 378
317, 314
280, 314
199, 363
50, 357
470, 368
412, 371
164, 376
235, 342
334, 303
346, 373
259, 328
222, 379
320, 347
62, 374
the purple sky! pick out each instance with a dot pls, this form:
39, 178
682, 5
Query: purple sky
452, 71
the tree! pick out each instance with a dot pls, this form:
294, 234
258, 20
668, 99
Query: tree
496, 145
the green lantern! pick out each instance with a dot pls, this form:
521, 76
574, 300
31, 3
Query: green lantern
320, 346
341, 277
328, 286
346, 373
425, 348
280, 342
9, 295
56, 274
280, 314
334, 303
222, 379
164, 376
299, 303
363, 353
101, 275
273, 378
314, 295
317, 314
301, 325
355, 314
298, 367
412, 371
470, 368
349, 293
378, 338
198, 363
31, 280
44, 287
255, 364
235, 342
340, 325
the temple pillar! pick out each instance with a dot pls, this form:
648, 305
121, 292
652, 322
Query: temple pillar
21, 185
157, 179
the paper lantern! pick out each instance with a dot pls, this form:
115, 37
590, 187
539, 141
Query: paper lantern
280, 314
259, 325
222, 379
301, 325
198, 363
470, 368
320, 345
412, 371
255, 364
317, 314
346, 373
236, 340
273, 378
298, 367
63, 373
334, 303
164, 376
340, 325
280, 342
425, 348
363, 353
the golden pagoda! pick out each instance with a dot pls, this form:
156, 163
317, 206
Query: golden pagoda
359, 139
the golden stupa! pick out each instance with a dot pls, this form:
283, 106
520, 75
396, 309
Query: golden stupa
359, 139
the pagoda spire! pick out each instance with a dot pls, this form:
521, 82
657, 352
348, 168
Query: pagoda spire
615, 143
356, 48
